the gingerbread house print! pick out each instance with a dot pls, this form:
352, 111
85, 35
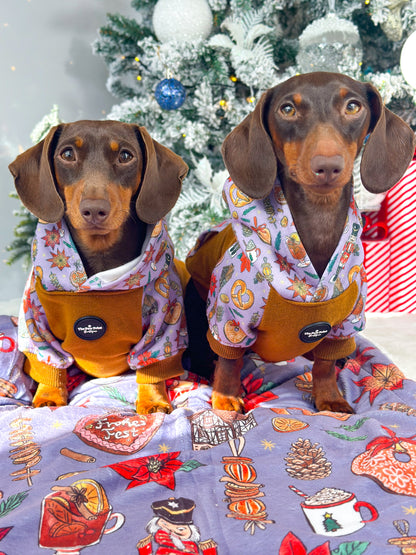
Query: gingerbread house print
213, 427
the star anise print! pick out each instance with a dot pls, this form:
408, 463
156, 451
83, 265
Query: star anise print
52, 237
78, 495
133, 280
300, 288
284, 264
59, 260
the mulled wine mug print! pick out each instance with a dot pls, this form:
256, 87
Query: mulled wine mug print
76, 516
335, 512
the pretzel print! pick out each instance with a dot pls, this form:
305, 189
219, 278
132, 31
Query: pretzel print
242, 297
239, 198
162, 285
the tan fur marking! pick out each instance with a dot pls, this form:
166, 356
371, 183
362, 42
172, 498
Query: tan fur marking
79, 142
297, 99
119, 198
292, 152
114, 146
322, 141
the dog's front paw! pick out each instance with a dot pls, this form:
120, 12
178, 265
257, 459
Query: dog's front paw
50, 396
152, 398
149, 408
333, 405
227, 402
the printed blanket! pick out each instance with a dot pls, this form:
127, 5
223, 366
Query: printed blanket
96, 477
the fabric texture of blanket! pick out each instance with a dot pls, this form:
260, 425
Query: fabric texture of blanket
95, 477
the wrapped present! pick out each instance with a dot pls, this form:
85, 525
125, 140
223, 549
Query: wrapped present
387, 452
389, 239
377, 265
401, 223
377, 259
375, 224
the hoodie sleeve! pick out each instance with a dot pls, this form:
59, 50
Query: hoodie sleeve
158, 354
235, 304
46, 360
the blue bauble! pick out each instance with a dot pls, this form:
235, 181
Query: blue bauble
170, 94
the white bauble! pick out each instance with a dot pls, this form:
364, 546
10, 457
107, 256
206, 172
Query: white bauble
407, 60
330, 44
182, 20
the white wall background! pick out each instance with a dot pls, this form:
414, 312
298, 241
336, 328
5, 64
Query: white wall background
45, 59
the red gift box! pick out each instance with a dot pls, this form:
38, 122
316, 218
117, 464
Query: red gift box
377, 266
401, 222
389, 240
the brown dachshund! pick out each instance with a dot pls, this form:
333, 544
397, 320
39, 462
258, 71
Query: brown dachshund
100, 190
306, 133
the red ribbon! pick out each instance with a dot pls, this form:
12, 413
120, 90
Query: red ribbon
383, 442
370, 228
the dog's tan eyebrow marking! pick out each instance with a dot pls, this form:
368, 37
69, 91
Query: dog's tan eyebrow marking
297, 99
343, 92
114, 145
78, 142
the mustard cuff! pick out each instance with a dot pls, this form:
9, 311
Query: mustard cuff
44, 373
332, 349
161, 370
224, 351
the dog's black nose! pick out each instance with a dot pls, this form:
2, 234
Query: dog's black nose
327, 168
95, 211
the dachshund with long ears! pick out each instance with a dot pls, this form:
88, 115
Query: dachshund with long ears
104, 294
284, 276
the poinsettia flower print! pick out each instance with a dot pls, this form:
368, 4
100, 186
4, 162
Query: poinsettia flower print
291, 545
245, 263
158, 468
384, 376
213, 285
148, 357
257, 392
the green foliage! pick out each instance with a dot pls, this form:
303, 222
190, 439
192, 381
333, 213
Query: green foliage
23, 232
12, 502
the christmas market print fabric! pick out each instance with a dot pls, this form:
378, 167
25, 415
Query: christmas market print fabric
269, 254
58, 267
95, 477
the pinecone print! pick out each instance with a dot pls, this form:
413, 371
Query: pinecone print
306, 461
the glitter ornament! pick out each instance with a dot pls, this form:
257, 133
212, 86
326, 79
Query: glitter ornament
182, 20
407, 60
170, 94
330, 44
392, 26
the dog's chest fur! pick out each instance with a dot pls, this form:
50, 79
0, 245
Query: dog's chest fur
320, 225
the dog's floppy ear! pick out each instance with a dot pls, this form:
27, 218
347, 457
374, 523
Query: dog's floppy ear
249, 155
163, 173
389, 148
34, 181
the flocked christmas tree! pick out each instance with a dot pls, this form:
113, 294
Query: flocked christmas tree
191, 70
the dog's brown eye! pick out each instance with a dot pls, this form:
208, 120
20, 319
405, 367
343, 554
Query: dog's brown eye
288, 109
353, 107
68, 155
125, 156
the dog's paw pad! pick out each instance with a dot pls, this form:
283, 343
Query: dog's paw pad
338, 405
227, 402
144, 408
50, 396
